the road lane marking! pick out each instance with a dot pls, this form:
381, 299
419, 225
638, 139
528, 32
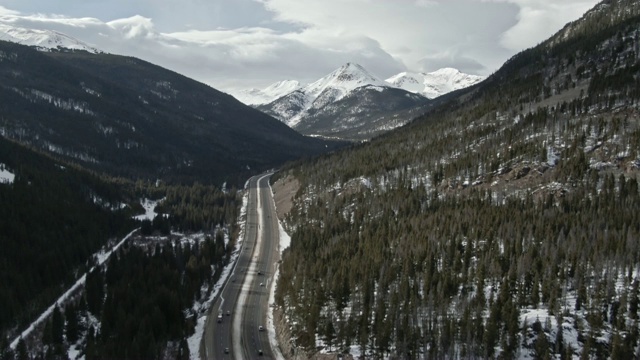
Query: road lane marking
242, 298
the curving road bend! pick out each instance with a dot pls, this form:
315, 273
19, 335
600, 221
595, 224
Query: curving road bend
236, 326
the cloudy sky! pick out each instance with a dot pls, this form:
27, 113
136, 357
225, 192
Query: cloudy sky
241, 44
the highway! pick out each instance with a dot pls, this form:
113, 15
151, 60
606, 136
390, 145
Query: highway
233, 329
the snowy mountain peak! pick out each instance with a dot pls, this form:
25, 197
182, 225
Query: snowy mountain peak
42, 39
410, 81
339, 83
349, 76
268, 94
435, 83
446, 71
351, 72
300, 102
280, 88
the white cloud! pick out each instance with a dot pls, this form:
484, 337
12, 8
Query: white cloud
426, 3
539, 19
134, 27
450, 59
253, 43
408, 31
5, 11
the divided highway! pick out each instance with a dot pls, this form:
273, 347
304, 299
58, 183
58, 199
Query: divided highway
236, 327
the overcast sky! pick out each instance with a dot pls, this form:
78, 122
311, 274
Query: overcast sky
240, 44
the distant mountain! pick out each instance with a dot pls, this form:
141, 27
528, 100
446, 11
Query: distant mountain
130, 118
348, 103
434, 84
42, 39
268, 94
322, 92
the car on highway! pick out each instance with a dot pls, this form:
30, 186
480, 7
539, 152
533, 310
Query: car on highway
260, 328
260, 352
228, 313
226, 350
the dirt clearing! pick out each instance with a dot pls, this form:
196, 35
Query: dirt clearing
283, 192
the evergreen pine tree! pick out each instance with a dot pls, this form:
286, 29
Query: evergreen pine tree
21, 350
57, 326
71, 329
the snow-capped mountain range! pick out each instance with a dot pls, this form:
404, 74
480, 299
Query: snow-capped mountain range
429, 85
434, 84
348, 103
302, 102
42, 39
351, 103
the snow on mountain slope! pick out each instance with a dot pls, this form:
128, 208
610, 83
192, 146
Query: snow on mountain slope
342, 81
435, 83
296, 105
268, 94
349, 103
42, 39
292, 103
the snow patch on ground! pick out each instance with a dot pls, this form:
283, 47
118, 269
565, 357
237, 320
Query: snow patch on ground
6, 176
106, 204
149, 206
283, 243
285, 239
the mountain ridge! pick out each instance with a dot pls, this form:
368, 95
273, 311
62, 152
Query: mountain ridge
45, 40
132, 118
264, 96
434, 84
430, 85
348, 103
331, 88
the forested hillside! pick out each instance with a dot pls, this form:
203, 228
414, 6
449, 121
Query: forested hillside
57, 219
127, 117
503, 224
50, 202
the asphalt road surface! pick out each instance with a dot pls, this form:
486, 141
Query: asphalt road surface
236, 326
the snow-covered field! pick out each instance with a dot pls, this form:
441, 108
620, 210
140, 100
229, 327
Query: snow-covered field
149, 206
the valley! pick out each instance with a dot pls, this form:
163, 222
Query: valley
432, 215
